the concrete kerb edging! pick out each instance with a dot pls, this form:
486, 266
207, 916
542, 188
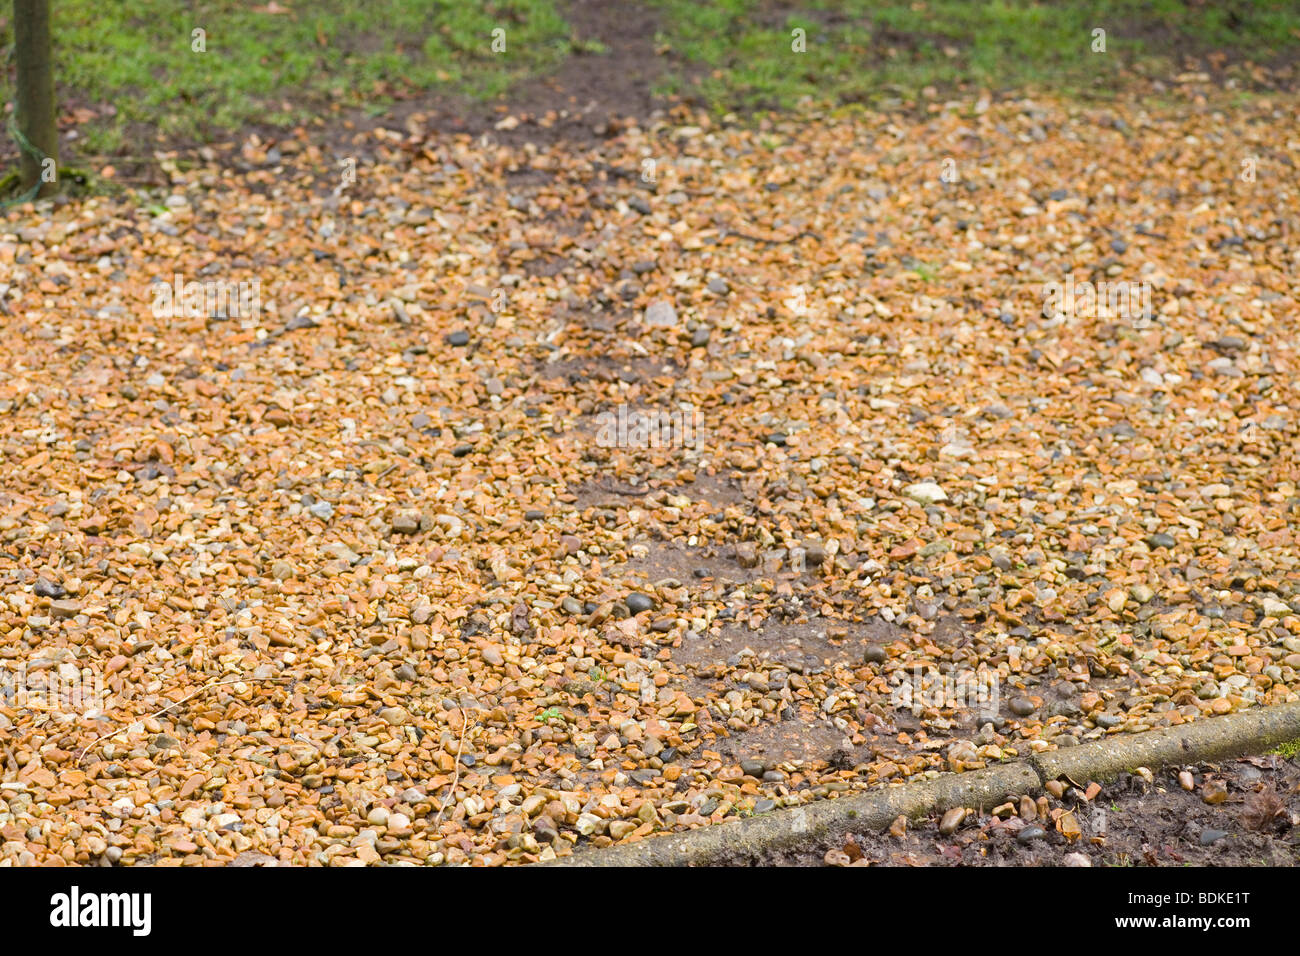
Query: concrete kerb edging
1251, 731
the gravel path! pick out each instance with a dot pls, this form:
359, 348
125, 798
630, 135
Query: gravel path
543, 497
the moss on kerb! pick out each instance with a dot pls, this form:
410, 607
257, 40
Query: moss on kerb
1290, 749
1251, 731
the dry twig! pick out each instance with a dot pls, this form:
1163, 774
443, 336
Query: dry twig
460, 749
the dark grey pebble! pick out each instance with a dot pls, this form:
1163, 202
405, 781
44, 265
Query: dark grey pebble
48, 589
637, 602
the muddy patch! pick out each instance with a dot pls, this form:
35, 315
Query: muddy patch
546, 266
654, 561
722, 490
789, 740
1131, 822
606, 369
950, 630
808, 646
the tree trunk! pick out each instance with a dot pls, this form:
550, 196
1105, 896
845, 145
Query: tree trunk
34, 109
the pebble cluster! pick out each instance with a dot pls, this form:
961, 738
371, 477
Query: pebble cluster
355, 579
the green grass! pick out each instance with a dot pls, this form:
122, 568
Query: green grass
137, 58
127, 70
863, 50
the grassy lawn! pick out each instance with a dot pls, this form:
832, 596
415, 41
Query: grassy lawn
126, 67
858, 50
282, 67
